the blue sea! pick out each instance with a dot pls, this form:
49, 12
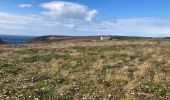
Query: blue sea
15, 39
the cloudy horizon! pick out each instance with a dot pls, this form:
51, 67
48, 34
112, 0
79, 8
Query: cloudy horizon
71, 17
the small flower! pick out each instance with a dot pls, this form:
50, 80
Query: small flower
109, 95
36, 98
160, 90
61, 94
132, 93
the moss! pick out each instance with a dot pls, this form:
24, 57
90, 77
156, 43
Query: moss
47, 94
157, 89
13, 70
65, 98
28, 51
61, 80
106, 83
45, 58
10, 68
4, 64
41, 84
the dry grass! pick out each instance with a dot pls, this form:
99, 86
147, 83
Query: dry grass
69, 70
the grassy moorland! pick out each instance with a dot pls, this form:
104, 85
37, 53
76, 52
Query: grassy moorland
98, 70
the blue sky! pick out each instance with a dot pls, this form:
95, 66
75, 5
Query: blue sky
85, 17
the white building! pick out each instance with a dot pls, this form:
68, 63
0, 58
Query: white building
105, 38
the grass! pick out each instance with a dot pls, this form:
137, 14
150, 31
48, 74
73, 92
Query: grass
91, 70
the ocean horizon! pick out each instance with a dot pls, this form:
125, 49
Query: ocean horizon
12, 39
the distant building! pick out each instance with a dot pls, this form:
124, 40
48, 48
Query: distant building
105, 38
101, 38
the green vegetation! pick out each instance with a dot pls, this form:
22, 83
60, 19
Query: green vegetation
124, 69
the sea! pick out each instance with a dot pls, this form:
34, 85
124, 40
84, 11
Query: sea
12, 39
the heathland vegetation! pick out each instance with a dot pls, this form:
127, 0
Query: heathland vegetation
86, 70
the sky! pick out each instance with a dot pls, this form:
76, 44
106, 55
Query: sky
85, 17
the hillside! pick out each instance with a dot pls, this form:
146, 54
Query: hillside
55, 38
2, 42
125, 69
51, 38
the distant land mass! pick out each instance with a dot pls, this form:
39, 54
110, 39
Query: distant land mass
53, 38
12, 39
2, 42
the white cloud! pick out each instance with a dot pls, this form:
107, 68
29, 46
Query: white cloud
25, 5
139, 26
33, 25
68, 10
68, 18
40, 25
91, 15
